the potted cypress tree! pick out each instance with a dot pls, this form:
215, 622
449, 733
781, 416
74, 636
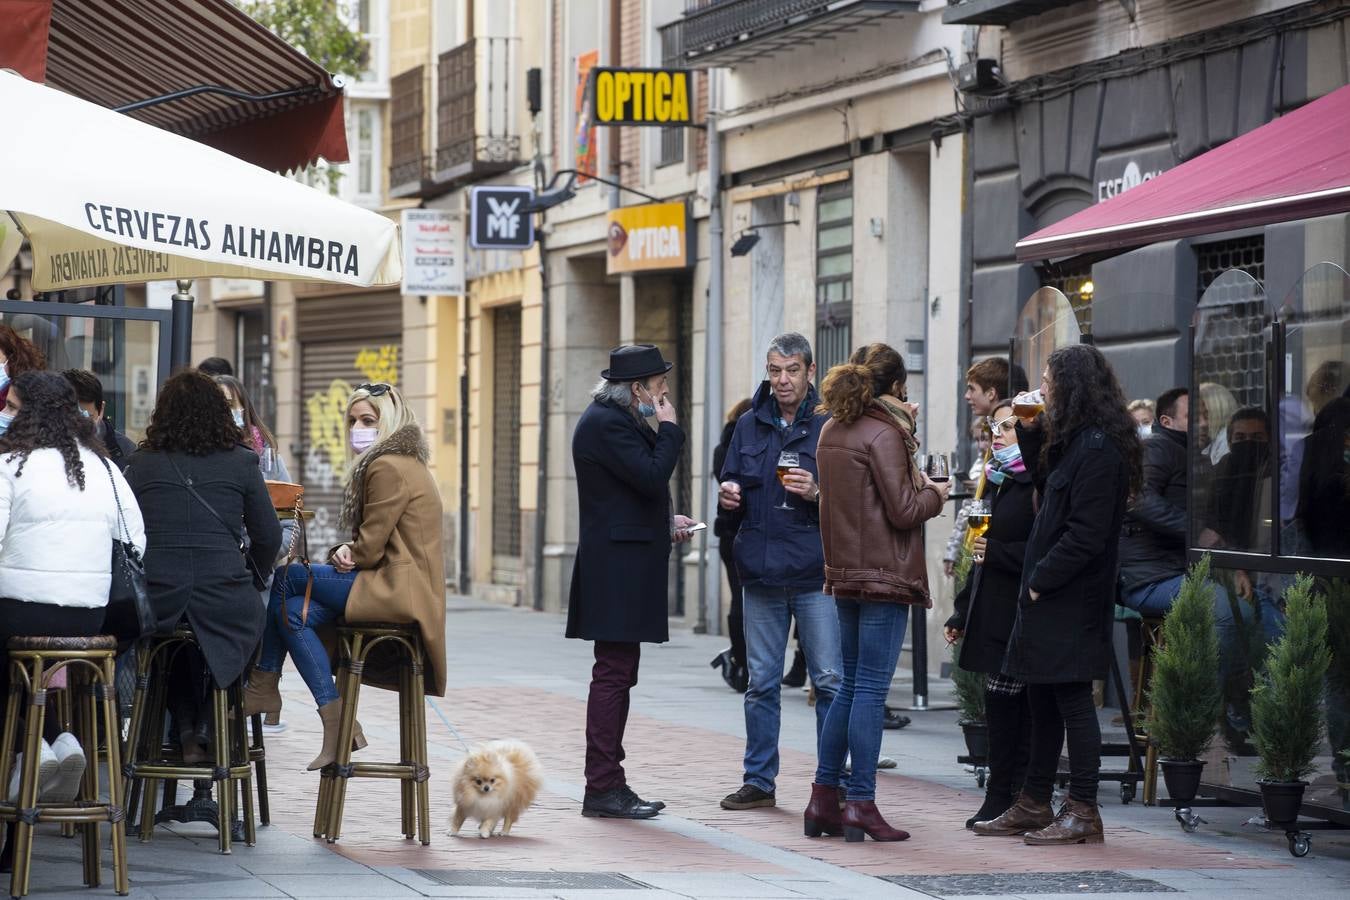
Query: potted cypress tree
969, 689
1185, 695
1287, 715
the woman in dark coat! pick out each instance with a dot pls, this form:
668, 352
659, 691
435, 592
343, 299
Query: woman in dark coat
986, 608
733, 662
1084, 456
195, 569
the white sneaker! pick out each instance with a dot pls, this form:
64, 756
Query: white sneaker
274, 728
47, 768
70, 770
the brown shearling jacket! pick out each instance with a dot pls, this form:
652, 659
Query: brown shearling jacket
871, 513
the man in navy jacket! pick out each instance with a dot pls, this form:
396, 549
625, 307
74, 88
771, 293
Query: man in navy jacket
778, 555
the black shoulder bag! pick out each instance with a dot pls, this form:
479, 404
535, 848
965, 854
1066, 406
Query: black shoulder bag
237, 536
129, 615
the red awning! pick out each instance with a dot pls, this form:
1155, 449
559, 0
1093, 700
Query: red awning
117, 52
1295, 167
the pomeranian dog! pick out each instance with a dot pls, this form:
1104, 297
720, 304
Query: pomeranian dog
494, 784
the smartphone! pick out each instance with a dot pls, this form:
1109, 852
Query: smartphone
698, 526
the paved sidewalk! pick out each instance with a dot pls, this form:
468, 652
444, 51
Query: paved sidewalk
512, 675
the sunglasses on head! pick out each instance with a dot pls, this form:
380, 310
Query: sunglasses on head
376, 389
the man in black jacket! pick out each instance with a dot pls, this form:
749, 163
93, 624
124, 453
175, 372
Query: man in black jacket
620, 576
89, 395
1153, 542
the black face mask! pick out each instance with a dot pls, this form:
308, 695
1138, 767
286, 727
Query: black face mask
1249, 456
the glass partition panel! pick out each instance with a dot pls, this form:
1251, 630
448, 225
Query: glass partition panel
1047, 322
1231, 467
1315, 416
125, 353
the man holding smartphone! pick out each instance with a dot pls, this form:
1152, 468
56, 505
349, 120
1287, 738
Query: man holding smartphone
769, 500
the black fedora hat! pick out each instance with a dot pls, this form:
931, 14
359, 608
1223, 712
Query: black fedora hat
633, 361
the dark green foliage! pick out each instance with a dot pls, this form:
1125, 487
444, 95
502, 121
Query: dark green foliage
1185, 695
317, 28
1287, 714
969, 688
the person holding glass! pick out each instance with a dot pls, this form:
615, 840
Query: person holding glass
390, 570
987, 606
1081, 445
874, 501
768, 499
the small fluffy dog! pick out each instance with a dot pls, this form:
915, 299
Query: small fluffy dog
494, 784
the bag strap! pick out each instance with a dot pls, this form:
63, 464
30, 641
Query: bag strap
117, 498
295, 555
237, 536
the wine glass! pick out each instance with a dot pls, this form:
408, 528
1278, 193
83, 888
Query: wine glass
787, 460
937, 466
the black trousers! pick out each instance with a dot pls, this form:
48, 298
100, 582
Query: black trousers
1059, 711
736, 615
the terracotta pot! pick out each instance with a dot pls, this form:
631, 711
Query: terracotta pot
1282, 800
1182, 777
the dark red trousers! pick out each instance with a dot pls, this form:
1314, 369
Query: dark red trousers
615, 674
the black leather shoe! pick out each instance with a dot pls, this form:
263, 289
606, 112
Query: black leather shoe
632, 794
894, 720
616, 804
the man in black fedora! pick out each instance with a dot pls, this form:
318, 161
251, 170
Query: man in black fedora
619, 579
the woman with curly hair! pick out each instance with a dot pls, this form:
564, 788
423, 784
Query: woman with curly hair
197, 484
59, 514
17, 355
1083, 454
874, 500
391, 570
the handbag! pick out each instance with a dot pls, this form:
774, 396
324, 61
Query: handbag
129, 615
238, 536
286, 496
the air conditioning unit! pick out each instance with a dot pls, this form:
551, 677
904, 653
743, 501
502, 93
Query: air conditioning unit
980, 76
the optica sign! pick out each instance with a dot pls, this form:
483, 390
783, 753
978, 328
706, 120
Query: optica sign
647, 238
641, 97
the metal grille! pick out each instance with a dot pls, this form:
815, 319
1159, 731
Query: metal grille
672, 139
1076, 285
834, 275
474, 92
1232, 348
506, 432
1018, 883
574, 881
409, 163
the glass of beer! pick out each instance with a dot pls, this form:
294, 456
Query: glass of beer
787, 460
977, 523
1028, 405
937, 466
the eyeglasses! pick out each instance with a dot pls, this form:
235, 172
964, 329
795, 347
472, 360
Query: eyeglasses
1007, 424
375, 389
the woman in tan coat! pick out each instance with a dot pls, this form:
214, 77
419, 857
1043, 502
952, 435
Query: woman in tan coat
873, 503
390, 571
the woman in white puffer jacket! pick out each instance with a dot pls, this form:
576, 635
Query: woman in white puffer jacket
58, 517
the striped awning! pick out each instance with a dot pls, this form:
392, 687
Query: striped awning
118, 52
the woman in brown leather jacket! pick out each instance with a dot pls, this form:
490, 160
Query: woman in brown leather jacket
873, 502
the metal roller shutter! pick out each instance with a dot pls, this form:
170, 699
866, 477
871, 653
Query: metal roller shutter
506, 444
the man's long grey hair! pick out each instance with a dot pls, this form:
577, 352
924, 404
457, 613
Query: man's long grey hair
617, 393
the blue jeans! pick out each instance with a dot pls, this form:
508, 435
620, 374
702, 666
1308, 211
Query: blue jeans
327, 602
768, 613
871, 635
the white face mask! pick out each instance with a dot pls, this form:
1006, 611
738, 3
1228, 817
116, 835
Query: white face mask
363, 438
239, 418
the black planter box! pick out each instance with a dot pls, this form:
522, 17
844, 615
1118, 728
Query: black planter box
977, 739
1182, 777
1282, 800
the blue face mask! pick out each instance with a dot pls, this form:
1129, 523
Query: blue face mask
4, 376
5, 421
646, 410
1008, 455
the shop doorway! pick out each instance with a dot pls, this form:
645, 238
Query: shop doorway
507, 566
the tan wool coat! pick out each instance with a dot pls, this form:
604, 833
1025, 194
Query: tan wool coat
395, 510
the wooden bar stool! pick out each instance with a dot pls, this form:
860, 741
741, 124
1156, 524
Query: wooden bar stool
356, 641
89, 666
151, 761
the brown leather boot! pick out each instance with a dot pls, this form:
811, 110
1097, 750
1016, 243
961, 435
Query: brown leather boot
1077, 823
331, 714
822, 813
1025, 815
862, 818
261, 694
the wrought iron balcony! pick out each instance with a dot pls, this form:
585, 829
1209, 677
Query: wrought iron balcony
996, 12
731, 32
409, 163
477, 89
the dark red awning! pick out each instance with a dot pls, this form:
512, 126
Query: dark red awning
116, 52
1295, 167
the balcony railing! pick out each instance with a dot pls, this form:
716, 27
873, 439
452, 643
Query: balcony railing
730, 32
409, 164
476, 110
996, 12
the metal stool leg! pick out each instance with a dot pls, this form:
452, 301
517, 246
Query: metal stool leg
224, 787
86, 697
406, 755
28, 785
240, 744
260, 768
116, 814
420, 749
350, 694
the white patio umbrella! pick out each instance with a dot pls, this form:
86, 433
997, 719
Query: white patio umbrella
106, 199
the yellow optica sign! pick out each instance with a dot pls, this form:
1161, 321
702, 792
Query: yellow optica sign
641, 96
648, 238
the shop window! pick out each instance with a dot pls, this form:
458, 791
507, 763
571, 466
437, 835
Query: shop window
834, 275
1233, 354
505, 437
1076, 285
672, 139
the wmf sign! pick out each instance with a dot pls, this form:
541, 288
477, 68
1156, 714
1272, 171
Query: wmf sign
499, 220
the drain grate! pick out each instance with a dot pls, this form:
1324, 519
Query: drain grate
1029, 883
576, 881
